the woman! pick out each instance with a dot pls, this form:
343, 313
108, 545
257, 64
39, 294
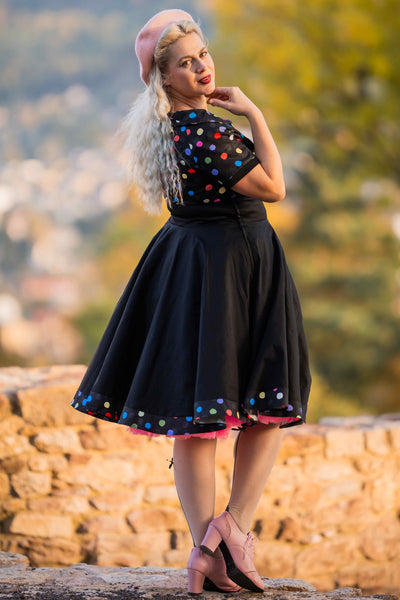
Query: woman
208, 333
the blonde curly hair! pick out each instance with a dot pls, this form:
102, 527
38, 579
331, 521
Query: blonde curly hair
148, 155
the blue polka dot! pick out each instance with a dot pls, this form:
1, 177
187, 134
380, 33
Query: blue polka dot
170, 431
189, 418
290, 407
89, 399
212, 147
79, 393
124, 415
84, 401
147, 425
214, 172
252, 401
301, 411
191, 193
222, 128
186, 433
220, 400
192, 115
238, 163
199, 409
183, 128
195, 159
188, 151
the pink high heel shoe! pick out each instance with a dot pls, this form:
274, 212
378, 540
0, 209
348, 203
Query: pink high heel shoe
237, 549
209, 573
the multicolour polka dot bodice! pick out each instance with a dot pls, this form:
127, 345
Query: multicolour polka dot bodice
212, 156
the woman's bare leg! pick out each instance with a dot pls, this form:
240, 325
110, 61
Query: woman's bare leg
255, 451
194, 474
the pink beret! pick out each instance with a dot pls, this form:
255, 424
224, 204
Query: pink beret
148, 36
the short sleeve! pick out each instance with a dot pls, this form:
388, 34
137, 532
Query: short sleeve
223, 152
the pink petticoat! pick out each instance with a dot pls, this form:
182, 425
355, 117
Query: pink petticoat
222, 433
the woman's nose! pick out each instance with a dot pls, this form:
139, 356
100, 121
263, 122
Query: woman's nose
201, 66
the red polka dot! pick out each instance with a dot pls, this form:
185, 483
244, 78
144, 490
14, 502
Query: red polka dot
108, 415
176, 138
224, 156
217, 135
208, 187
191, 170
228, 411
187, 131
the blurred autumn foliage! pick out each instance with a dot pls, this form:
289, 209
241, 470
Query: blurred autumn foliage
325, 75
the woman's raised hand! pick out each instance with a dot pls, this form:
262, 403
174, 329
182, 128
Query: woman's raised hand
232, 99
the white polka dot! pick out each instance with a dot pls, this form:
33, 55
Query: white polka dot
279, 395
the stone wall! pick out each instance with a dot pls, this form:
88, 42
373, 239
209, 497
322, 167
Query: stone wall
77, 489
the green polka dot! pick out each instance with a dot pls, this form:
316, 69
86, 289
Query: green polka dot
191, 146
213, 411
161, 422
134, 425
207, 160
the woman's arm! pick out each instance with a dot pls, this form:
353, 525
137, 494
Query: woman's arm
265, 182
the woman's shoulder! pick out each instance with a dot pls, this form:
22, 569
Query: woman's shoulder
186, 118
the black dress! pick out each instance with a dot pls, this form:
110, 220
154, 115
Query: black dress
208, 332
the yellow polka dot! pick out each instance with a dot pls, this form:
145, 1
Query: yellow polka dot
239, 150
262, 394
106, 404
222, 190
184, 176
200, 131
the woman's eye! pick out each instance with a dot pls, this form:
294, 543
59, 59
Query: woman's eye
185, 62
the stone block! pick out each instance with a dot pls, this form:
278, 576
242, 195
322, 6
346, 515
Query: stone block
13, 560
51, 552
307, 493
57, 440
27, 484
134, 543
47, 462
13, 444
341, 442
394, 436
366, 576
377, 442
384, 492
12, 424
119, 559
50, 406
356, 512
104, 524
266, 527
102, 473
37, 524
9, 506
368, 464
161, 494
115, 438
274, 559
177, 559
121, 500
4, 485
77, 505
343, 488
13, 464
295, 444
157, 519
317, 560
5, 406
323, 471
291, 530
381, 541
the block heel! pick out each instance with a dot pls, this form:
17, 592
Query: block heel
195, 581
211, 540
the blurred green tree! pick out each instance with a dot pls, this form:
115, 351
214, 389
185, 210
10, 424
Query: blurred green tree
325, 74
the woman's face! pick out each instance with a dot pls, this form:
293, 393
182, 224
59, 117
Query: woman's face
190, 72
